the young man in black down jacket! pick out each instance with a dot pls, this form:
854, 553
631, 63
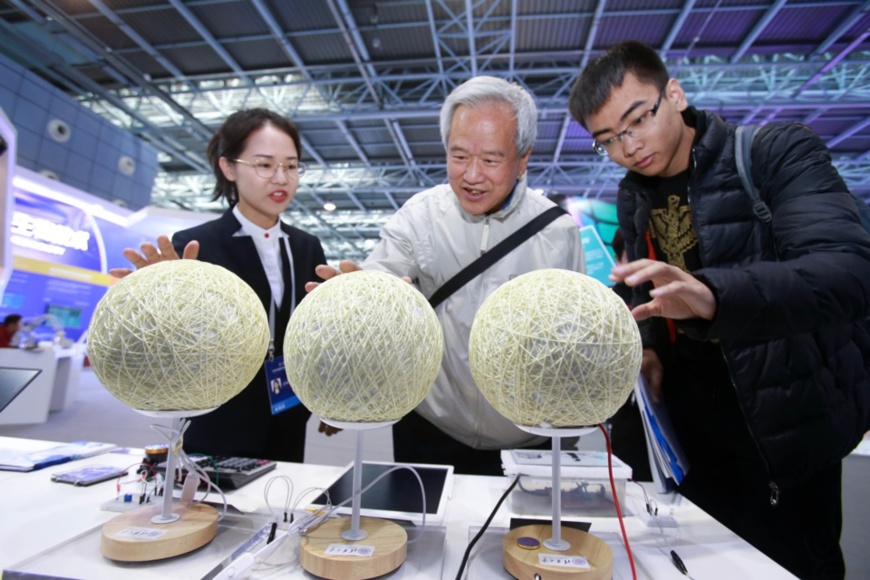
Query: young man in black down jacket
755, 334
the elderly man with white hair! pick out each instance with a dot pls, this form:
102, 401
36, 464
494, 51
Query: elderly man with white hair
488, 127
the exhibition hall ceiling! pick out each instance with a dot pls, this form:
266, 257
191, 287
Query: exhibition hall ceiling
364, 81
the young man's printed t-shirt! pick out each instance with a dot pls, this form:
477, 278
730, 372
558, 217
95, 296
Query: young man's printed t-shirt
670, 223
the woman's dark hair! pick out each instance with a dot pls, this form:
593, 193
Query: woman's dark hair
594, 85
231, 139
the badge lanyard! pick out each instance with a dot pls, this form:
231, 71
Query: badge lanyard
281, 395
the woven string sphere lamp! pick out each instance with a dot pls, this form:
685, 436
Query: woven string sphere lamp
361, 351
175, 339
555, 352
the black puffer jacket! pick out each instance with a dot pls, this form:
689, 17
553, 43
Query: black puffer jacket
793, 297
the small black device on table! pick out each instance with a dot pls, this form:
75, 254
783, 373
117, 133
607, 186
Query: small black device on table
230, 472
234, 472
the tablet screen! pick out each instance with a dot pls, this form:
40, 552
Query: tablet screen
398, 494
12, 382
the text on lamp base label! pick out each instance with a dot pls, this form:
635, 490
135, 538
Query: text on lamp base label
346, 550
563, 561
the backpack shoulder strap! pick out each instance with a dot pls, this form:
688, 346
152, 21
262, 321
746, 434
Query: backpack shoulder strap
743, 156
495, 254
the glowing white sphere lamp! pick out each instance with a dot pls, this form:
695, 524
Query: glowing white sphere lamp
556, 352
361, 351
175, 339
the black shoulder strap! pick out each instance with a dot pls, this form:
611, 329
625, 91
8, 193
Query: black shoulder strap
743, 156
498, 252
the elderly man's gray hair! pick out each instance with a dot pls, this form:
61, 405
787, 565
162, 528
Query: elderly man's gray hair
485, 89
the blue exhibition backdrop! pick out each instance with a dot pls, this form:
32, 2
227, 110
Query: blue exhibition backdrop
63, 245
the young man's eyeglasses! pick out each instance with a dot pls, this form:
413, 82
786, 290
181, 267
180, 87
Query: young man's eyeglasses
266, 168
637, 128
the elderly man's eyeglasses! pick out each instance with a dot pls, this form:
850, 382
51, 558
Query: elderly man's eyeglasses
266, 168
638, 128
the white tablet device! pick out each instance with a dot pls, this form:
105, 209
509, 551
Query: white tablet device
397, 496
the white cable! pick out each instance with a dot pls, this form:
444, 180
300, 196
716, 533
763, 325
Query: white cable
288, 499
242, 566
186, 463
329, 511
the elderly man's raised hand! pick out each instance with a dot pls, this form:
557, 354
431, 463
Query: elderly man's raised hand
326, 272
344, 267
677, 294
152, 254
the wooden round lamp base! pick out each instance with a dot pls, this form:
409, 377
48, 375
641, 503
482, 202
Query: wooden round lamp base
133, 537
525, 563
387, 541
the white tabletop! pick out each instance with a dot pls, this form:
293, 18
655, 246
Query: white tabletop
42, 517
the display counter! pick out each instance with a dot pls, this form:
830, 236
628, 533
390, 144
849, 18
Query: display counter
69, 362
32, 405
49, 524
52, 390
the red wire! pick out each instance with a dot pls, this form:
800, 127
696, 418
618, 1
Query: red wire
127, 471
616, 500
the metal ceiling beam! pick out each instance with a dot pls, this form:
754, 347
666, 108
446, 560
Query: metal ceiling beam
757, 30
742, 74
436, 44
572, 177
357, 252
398, 136
278, 34
593, 32
291, 53
209, 38
392, 199
841, 29
76, 82
855, 129
391, 91
560, 140
503, 21
469, 30
353, 142
360, 53
491, 43
540, 65
688, 6
131, 76
308, 148
137, 38
354, 44
832, 63
513, 38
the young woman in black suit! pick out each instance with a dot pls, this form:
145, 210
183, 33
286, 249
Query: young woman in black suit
255, 158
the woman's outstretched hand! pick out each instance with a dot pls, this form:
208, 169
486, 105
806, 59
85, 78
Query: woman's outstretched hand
152, 254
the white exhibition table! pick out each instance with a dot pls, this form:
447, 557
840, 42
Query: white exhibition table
43, 521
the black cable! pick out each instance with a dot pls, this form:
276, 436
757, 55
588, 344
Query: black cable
483, 529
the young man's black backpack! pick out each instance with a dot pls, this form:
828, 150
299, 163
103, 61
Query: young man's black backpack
743, 155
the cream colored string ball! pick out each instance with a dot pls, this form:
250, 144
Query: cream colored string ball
179, 335
554, 348
364, 347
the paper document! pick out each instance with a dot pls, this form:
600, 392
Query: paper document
15, 460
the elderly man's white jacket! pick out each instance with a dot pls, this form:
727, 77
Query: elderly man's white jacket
430, 239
